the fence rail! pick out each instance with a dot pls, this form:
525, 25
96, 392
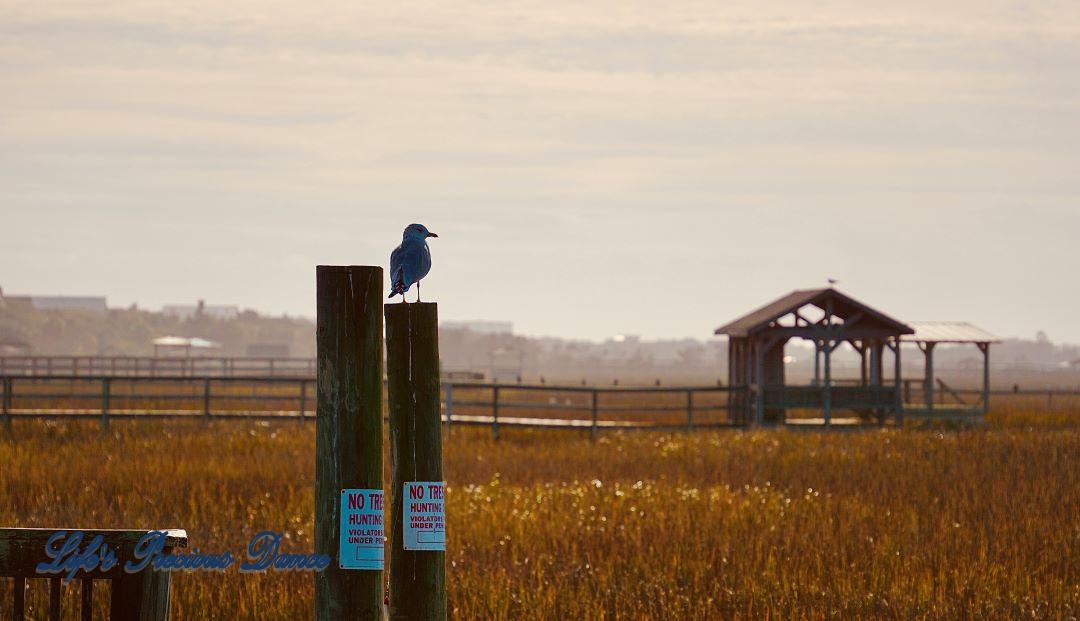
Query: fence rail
463, 403
591, 408
155, 366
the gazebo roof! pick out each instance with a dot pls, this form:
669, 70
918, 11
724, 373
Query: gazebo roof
843, 306
948, 332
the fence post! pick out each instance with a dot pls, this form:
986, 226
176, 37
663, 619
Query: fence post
348, 428
595, 412
303, 399
417, 575
7, 403
105, 383
449, 407
495, 412
689, 410
1049, 400
206, 400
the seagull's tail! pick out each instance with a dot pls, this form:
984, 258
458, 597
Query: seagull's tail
398, 288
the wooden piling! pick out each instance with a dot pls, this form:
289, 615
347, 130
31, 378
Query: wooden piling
348, 427
417, 577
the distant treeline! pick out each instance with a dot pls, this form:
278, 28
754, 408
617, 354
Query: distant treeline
630, 360
118, 332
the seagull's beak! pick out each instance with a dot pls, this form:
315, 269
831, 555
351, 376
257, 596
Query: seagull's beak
430, 234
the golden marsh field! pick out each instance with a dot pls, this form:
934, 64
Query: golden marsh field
882, 524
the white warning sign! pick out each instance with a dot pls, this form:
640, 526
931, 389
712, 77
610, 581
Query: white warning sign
363, 533
424, 517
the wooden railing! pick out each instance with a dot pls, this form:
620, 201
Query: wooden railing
464, 403
156, 366
841, 397
591, 408
140, 596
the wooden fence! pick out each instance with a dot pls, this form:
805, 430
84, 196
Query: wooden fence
591, 408
156, 366
166, 366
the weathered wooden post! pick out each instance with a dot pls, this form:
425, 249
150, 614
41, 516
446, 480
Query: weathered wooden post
418, 540
348, 437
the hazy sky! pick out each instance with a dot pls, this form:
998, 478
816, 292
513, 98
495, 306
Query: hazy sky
649, 168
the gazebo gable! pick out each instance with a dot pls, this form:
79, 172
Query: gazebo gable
795, 314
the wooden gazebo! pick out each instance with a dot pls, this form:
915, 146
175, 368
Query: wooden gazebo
829, 319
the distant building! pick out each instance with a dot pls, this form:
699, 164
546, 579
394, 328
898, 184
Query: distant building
68, 302
201, 309
268, 350
54, 302
481, 327
14, 347
183, 346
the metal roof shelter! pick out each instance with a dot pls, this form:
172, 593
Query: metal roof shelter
948, 332
830, 318
928, 334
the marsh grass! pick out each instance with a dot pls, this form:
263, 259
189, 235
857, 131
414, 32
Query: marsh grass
883, 524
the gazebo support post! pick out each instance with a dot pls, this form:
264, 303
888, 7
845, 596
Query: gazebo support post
928, 376
817, 362
827, 395
898, 407
759, 382
985, 349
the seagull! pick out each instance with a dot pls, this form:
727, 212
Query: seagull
410, 261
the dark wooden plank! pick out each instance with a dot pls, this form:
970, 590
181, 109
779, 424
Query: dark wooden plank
348, 427
417, 577
19, 588
87, 599
54, 599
